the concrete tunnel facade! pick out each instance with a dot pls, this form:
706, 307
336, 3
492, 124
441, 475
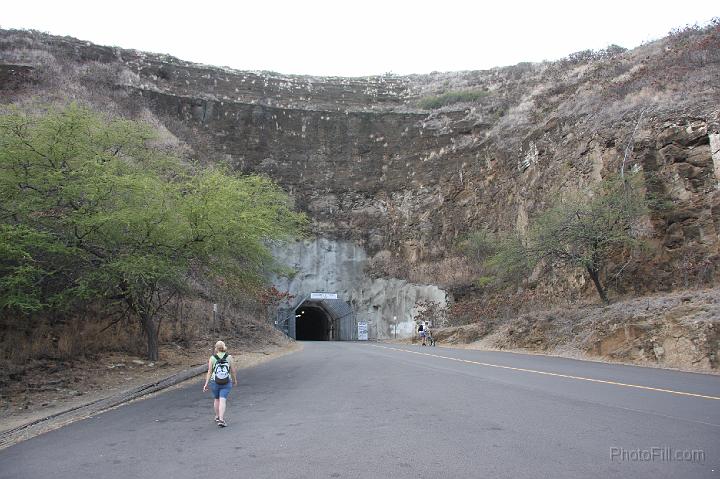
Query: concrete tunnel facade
387, 305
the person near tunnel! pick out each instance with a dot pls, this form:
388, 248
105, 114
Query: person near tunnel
221, 376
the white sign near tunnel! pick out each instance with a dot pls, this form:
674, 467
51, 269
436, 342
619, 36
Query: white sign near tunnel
323, 296
362, 330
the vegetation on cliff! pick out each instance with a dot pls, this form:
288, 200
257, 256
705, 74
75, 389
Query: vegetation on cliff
450, 98
93, 212
578, 231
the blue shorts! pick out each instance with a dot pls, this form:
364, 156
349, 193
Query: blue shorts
220, 390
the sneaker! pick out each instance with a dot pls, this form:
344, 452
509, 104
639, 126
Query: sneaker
217, 419
221, 423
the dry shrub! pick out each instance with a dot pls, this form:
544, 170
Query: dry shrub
502, 305
25, 342
92, 332
68, 345
73, 339
696, 267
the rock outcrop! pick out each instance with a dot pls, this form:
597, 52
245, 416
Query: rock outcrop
677, 330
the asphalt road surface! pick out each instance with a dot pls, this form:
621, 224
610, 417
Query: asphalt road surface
355, 410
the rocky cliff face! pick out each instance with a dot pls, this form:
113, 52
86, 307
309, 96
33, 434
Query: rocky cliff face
402, 183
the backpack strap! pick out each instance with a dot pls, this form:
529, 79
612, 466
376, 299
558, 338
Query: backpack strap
218, 359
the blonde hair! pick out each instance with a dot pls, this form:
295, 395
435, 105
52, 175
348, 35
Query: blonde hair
220, 347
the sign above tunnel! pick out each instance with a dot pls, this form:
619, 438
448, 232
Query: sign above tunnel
323, 296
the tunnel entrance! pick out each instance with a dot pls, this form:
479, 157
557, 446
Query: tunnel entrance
312, 323
317, 317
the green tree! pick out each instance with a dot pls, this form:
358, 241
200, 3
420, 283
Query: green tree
93, 211
577, 231
26, 285
504, 257
586, 231
510, 262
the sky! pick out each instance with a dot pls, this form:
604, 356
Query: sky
359, 37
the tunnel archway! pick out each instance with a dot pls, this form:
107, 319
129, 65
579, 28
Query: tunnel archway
313, 323
319, 319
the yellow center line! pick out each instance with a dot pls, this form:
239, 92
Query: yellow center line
545, 373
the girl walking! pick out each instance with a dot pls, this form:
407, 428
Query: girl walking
221, 376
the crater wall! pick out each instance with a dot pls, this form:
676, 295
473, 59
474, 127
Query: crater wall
397, 182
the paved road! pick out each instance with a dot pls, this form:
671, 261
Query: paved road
354, 410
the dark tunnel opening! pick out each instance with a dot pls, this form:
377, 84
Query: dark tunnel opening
312, 324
